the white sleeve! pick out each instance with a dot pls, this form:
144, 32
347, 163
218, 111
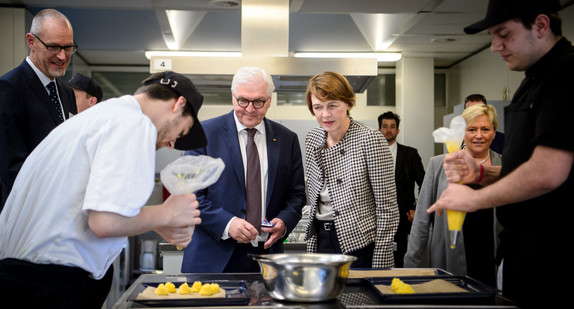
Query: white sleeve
123, 166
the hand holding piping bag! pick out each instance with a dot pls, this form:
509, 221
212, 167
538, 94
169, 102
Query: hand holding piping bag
187, 174
452, 137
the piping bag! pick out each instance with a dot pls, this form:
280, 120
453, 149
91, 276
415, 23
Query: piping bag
188, 174
452, 137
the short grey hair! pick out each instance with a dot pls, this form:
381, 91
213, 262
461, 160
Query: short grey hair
37, 26
246, 75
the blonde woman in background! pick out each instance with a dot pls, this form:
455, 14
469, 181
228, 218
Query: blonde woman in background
474, 254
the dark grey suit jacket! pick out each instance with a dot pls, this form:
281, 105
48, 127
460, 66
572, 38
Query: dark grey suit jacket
26, 117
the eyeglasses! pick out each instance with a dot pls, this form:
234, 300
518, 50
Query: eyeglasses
256, 103
55, 49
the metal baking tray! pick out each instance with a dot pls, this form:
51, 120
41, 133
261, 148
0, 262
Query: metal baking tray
236, 293
476, 291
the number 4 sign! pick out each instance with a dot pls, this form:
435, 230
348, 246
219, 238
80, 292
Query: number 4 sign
162, 64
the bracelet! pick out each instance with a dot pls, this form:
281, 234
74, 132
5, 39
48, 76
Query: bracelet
481, 174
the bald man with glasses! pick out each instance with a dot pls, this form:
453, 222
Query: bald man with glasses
33, 101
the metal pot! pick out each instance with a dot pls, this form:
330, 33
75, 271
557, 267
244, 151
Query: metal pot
307, 277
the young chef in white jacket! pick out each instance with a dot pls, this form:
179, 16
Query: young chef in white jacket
81, 192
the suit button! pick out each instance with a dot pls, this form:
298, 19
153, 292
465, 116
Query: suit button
336, 213
339, 181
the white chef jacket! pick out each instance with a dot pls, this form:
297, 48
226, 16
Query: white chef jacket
102, 159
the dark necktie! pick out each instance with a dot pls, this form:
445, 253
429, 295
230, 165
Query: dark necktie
253, 184
54, 99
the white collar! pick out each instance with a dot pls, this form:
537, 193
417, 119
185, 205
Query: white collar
240, 127
43, 78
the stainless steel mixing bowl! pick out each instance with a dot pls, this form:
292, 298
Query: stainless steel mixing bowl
306, 277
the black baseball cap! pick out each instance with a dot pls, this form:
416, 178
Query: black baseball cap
500, 11
87, 84
185, 87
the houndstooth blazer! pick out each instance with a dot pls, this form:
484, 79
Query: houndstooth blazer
360, 177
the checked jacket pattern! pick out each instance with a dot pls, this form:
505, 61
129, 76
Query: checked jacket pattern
359, 174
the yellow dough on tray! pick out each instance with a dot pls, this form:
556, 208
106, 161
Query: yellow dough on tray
197, 290
161, 290
170, 287
400, 287
209, 289
196, 287
184, 289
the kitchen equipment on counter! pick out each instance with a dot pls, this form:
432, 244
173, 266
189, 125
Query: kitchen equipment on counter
297, 235
172, 258
148, 255
306, 277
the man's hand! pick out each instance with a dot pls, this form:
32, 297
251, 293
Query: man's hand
182, 210
179, 236
456, 197
275, 232
460, 167
183, 217
242, 231
173, 220
411, 215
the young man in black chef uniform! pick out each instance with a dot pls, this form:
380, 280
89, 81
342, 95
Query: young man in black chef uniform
536, 177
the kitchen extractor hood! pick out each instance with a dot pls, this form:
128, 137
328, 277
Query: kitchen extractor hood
266, 23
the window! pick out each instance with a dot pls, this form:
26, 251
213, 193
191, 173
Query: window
291, 99
440, 90
215, 90
381, 91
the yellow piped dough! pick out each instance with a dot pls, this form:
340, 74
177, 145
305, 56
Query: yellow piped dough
168, 291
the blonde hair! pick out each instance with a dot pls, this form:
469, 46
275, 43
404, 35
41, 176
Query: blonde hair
477, 110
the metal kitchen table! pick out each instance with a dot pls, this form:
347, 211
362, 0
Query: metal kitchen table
354, 296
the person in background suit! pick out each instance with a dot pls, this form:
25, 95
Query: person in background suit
225, 238
408, 171
350, 182
498, 142
87, 90
27, 113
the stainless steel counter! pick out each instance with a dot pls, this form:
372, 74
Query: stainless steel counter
355, 295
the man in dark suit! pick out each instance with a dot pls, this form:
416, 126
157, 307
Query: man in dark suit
408, 171
27, 111
225, 238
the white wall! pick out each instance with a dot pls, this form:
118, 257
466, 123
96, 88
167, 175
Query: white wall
486, 72
415, 104
12, 38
